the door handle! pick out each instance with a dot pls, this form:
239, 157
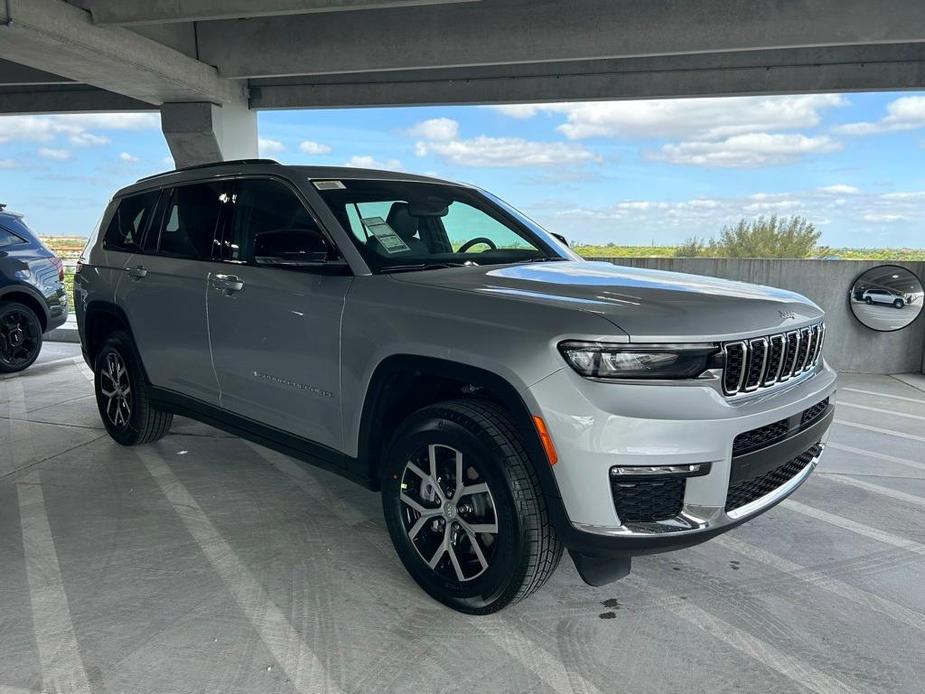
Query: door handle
138, 272
227, 284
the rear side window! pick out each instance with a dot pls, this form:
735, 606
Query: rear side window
8, 238
129, 222
192, 220
260, 206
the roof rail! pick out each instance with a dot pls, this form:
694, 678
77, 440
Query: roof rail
211, 163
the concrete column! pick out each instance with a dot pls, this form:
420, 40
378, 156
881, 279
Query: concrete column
201, 132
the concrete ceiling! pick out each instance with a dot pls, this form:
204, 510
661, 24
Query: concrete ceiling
115, 54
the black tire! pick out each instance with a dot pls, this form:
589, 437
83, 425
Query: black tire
898, 303
20, 337
868, 300
523, 552
128, 416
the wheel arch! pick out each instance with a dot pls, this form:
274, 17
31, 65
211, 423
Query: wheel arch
390, 397
28, 297
100, 319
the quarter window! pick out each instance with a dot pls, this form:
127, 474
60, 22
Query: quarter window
129, 221
8, 238
192, 220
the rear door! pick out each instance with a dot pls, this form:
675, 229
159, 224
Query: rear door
165, 284
276, 331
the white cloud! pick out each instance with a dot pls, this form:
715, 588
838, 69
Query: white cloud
85, 139
436, 129
75, 126
56, 154
309, 147
368, 162
8, 164
749, 150
840, 189
506, 152
905, 113
918, 195
523, 110
267, 146
691, 119
785, 206
128, 158
888, 218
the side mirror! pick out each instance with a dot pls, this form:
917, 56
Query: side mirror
560, 237
291, 248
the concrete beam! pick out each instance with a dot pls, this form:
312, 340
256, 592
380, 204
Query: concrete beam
56, 37
14, 74
848, 69
77, 98
199, 133
531, 31
164, 11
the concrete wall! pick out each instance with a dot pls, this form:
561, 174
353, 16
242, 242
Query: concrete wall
849, 346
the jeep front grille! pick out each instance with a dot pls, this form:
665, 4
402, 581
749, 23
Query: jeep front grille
762, 362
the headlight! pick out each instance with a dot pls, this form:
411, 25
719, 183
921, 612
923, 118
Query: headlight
604, 360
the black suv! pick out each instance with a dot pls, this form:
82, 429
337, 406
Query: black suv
32, 296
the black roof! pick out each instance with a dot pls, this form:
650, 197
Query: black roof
268, 165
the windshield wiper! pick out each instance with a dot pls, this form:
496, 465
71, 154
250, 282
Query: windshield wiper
546, 259
424, 266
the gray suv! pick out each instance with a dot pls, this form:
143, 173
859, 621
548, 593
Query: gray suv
425, 339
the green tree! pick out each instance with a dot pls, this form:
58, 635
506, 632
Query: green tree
764, 237
691, 248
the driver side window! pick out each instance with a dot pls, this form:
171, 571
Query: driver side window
464, 223
261, 206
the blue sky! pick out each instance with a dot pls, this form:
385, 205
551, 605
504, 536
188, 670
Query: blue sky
623, 172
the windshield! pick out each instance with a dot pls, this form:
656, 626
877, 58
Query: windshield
407, 225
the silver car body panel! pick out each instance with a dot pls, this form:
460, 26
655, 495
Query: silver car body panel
276, 348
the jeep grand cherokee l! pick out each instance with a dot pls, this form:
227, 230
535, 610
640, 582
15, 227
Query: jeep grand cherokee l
32, 295
425, 339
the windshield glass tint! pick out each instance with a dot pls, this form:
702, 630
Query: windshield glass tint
402, 225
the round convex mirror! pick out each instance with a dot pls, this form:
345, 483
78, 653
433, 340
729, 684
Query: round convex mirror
886, 298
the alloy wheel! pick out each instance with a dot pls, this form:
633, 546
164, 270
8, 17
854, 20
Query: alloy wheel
448, 513
116, 388
19, 339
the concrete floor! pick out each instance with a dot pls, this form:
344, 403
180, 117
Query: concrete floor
204, 564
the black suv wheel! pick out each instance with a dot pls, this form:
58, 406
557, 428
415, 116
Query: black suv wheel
122, 394
464, 508
20, 337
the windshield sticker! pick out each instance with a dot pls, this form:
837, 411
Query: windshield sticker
329, 185
385, 234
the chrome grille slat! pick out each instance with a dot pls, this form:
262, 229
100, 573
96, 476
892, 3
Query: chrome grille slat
766, 361
803, 354
811, 350
734, 374
776, 345
756, 364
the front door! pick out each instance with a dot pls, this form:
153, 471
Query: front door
275, 332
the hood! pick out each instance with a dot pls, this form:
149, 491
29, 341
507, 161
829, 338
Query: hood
648, 305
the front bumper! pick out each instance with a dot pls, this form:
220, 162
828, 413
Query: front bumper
598, 426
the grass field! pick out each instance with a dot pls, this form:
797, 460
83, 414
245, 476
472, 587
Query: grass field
614, 251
